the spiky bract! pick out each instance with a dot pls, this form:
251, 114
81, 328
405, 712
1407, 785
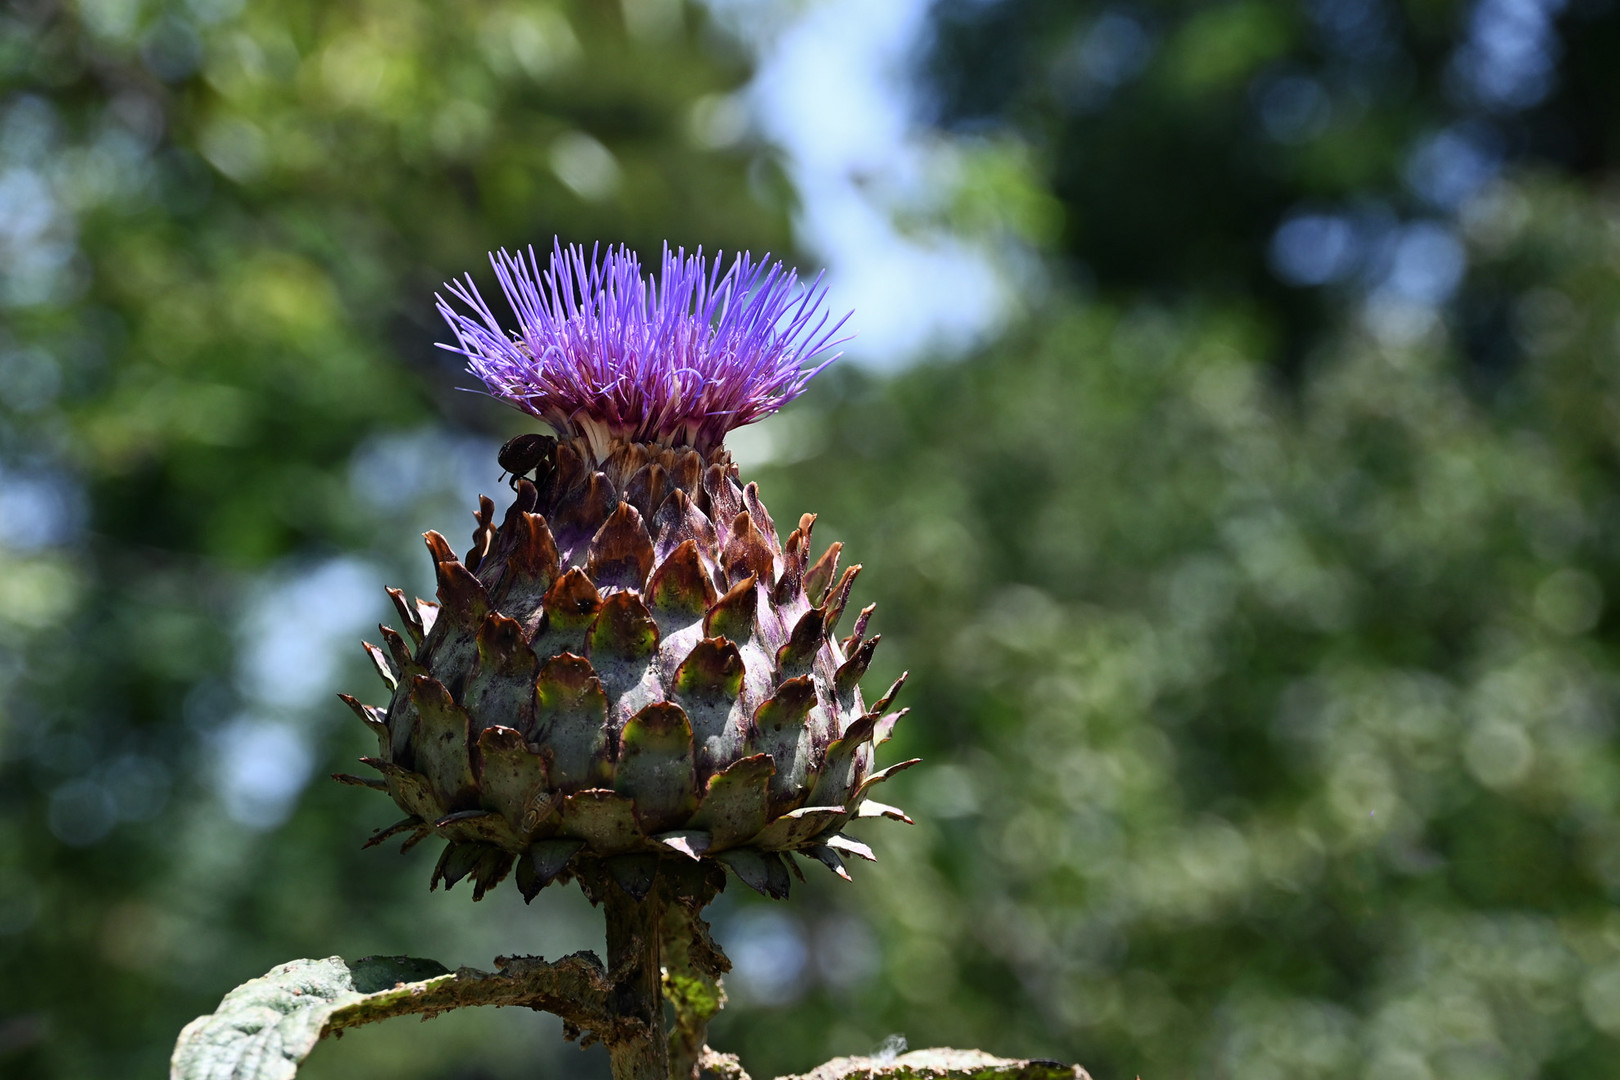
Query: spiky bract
631, 667
602, 353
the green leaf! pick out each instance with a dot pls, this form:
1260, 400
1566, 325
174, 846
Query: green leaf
266, 1026
939, 1064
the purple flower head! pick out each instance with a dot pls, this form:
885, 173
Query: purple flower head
680, 358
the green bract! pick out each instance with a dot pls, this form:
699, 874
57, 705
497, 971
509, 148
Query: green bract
630, 667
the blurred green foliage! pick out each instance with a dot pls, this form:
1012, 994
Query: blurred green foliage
1267, 734
221, 227
1269, 720
1181, 137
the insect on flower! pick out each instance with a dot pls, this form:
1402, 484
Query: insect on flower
525, 454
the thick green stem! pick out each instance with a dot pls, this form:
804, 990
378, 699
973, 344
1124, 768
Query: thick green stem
638, 1049
693, 965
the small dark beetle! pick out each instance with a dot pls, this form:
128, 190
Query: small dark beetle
528, 453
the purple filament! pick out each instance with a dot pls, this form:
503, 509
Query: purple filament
679, 359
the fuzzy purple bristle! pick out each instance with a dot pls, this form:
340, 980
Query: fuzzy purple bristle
680, 358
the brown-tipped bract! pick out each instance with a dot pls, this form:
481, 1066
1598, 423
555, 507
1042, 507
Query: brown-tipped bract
631, 666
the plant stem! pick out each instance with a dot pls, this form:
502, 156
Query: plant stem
693, 965
639, 1047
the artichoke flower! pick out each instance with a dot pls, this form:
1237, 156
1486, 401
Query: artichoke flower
630, 667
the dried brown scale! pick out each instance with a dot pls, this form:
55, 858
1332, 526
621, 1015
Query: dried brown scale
629, 667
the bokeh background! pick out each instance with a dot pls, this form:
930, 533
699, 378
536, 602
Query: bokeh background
1232, 444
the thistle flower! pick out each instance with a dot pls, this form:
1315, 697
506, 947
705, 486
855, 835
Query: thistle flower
603, 353
632, 669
